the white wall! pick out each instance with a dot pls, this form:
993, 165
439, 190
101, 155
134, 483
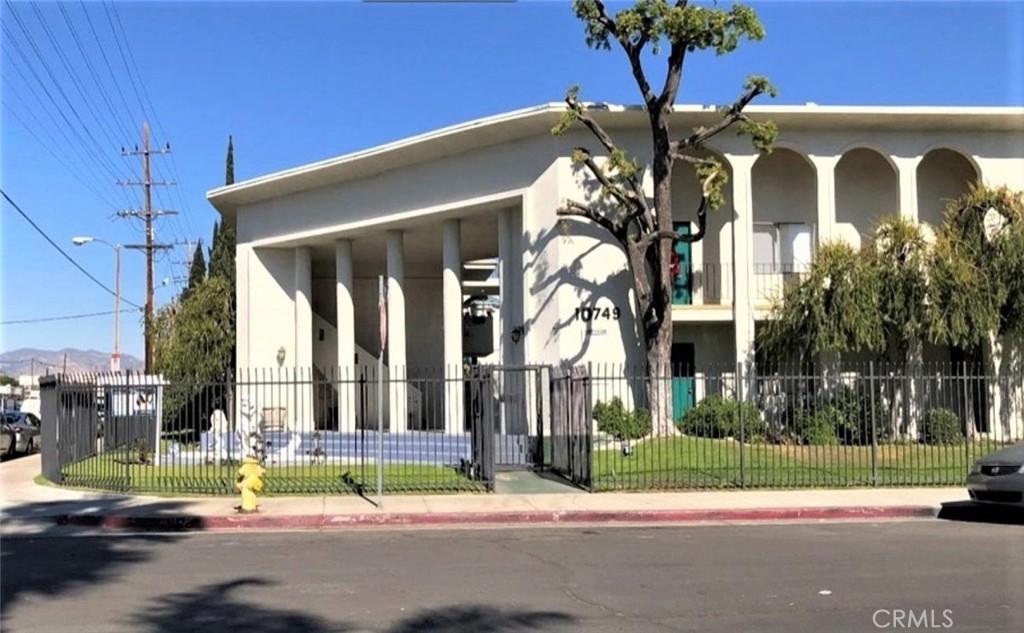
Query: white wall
866, 189
563, 272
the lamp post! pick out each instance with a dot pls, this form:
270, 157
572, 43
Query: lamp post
115, 358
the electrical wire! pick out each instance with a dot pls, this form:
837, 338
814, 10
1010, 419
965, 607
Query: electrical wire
69, 317
61, 250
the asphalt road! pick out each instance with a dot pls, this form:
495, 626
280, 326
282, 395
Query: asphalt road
793, 578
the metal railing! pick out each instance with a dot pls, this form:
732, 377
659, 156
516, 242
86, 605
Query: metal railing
732, 427
728, 427
710, 284
771, 280
316, 432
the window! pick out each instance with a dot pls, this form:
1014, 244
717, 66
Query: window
784, 247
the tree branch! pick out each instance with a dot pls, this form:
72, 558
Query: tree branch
638, 205
732, 115
702, 220
573, 209
633, 51
626, 198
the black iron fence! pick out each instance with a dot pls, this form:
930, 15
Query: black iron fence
732, 427
572, 429
315, 431
601, 427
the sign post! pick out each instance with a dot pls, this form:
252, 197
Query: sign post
383, 305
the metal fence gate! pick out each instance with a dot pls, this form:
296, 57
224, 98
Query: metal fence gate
99, 430
572, 429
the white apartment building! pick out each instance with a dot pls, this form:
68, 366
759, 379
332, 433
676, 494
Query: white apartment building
471, 209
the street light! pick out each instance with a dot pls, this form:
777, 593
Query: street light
115, 358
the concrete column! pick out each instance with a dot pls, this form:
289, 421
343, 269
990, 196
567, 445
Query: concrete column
506, 314
907, 169
396, 343
742, 259
452, 315
825, 167
347, 374
242, 350
303, 413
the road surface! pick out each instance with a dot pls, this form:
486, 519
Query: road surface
792, 578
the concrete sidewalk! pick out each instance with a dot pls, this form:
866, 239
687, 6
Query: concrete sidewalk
26, 506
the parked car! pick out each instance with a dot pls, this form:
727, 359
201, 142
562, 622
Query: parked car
8, 439
999, 477
26, 429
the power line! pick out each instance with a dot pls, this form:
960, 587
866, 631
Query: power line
61, 250
69, 317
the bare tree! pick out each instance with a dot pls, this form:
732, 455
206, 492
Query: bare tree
644, 228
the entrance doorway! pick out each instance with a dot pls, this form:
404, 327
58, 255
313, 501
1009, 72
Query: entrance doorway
683, 383
682, 283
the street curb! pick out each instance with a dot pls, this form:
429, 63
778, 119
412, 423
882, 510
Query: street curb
454, 519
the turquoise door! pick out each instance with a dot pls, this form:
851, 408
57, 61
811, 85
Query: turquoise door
683, 385
682, 285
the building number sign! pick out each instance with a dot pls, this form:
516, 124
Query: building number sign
590, 314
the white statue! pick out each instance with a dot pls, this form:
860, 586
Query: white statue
216, 452
248, 430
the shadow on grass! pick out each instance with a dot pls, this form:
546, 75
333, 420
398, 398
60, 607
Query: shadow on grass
36, 564
243, 605
970, 512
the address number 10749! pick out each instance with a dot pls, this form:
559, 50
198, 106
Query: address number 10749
588, 314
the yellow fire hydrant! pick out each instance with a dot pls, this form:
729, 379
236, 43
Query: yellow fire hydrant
250, 481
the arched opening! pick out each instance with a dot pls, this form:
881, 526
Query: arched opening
942, 175
784, 191
705, 276
867, 189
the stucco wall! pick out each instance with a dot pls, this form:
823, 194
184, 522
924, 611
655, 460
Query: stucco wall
581, 269
866, 189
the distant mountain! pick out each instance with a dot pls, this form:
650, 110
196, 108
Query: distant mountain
28, 361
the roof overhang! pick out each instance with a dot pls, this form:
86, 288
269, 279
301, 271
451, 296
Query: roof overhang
539, 120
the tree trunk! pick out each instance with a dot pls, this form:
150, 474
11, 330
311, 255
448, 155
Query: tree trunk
658, 333
659, 381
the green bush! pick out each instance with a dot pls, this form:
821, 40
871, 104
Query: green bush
942, 426
613, 419
818, 426
844, 418
853, 424
719, 417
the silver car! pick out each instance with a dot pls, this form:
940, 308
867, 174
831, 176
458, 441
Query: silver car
8, 440
999, 477
26, 429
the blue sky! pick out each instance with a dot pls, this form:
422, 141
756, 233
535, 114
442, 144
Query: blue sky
299, 82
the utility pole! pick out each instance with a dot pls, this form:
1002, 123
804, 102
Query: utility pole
148, 213
190, 253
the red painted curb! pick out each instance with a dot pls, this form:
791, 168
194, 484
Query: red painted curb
264, 522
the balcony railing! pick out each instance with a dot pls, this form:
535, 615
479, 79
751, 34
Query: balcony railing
771, 280
709, 284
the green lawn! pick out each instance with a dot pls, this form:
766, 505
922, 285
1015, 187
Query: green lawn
690, 462
108, 472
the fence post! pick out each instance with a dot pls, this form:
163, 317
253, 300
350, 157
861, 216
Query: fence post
49, 412
588, 422
968, 415
740, 401
874, 437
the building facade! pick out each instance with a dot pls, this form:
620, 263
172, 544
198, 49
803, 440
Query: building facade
471, 210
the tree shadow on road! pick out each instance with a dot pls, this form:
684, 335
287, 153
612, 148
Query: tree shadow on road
226, 607
34, 564
218, 607
480, 619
